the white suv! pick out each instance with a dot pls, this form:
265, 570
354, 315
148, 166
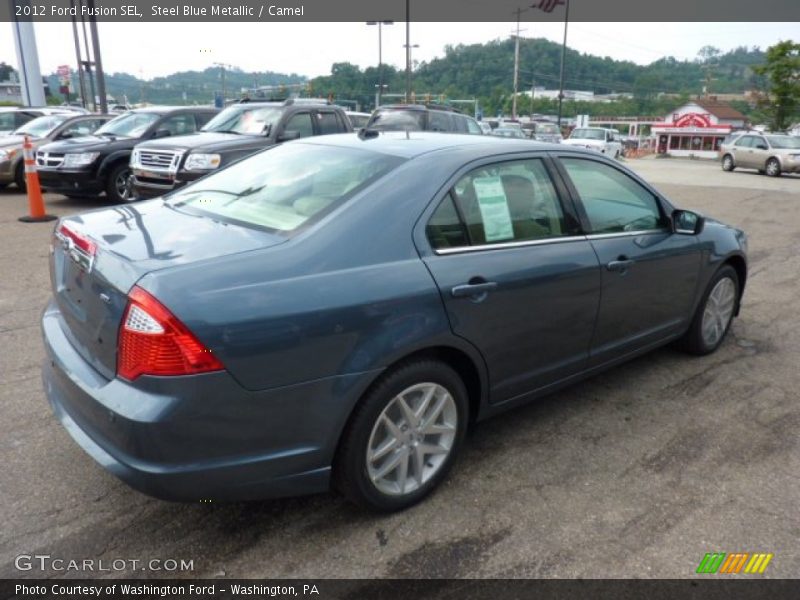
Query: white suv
605, 141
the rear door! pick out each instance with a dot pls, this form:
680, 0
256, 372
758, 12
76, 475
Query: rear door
517, 279
743, 151
649, 274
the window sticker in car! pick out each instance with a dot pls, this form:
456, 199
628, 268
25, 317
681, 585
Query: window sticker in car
493, 205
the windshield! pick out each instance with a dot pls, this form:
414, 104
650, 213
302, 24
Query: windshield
785, 142
243, 119
285, 187
41, 126
546, 128
588, 134
398, 120
132, 124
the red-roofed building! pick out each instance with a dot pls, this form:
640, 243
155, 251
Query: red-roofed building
697, 128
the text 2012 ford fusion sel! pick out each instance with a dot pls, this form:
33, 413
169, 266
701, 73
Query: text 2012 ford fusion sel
335, 311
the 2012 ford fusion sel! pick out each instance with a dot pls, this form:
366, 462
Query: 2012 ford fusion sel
335, 311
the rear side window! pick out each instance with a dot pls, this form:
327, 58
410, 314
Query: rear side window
445, 229
613, 201
746, 141
179, 124
439, 121
328, 123
301, 123
461, 123
512, 201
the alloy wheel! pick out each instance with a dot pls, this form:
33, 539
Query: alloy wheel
718, 311
411, 439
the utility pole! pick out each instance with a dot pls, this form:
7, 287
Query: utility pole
563, 54
408, 50
380, 85
518, 12
222, 67
81, 79
98, 60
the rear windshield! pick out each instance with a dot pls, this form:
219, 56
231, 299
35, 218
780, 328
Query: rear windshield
588, 134
398, 120
285, 187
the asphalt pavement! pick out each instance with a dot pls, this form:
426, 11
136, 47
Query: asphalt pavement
636, 473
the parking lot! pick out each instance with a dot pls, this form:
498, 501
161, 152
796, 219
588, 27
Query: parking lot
636, 473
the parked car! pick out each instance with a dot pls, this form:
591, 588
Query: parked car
358, 119
336, 310
509, 132
605, 141
159, 166
418, 117
89, 166
41, 131
14, 117
544, 131
772, 154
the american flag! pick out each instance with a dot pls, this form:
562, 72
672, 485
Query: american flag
548, 5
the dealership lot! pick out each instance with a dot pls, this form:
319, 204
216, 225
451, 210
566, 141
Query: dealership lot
636, 473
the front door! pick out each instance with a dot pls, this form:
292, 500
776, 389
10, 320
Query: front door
648, 273
516, 279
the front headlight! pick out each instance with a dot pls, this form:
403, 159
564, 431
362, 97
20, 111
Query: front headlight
202, 162
7, 155
80, 160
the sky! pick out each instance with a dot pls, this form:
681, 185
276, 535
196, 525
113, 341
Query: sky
150, 50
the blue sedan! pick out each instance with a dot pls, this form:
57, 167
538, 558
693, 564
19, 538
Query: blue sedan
334, 312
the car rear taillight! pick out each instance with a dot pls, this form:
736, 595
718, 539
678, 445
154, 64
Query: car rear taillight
81, 241
152, 341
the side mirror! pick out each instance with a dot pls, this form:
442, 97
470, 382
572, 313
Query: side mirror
761, 147
66, 135
287, 136
686, 222
160, 133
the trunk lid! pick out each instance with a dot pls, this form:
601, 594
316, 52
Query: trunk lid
131, 241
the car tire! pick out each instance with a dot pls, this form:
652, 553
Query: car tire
380, 463
773, 168
727, 163
117, 184
714, 314
19, 178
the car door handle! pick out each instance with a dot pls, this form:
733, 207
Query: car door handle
621, 264
473, 289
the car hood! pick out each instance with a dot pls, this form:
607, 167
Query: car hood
207, 141
92, 143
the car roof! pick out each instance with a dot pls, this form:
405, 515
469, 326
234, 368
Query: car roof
167, 109
416, 143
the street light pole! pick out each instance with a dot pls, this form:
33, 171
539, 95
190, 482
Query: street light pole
380, 24
408, 49
563, 54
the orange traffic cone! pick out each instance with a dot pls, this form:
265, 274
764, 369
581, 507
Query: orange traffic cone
35, 200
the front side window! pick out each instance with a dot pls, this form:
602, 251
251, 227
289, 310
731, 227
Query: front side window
613, 201
473, 127
512, 201
746, 141
285, 187
81, 128
328, 123
439, 121
179, 124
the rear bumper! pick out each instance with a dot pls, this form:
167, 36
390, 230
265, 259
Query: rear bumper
202, 437
70, 182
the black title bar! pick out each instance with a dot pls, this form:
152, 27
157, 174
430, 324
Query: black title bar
176, 11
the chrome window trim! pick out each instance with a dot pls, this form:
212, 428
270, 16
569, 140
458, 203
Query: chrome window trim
507, 245
602, 236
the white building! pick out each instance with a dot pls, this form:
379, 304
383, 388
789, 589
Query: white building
697, 128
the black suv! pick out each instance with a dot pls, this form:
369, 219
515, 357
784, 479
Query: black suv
238, 131
89, 166
420, 117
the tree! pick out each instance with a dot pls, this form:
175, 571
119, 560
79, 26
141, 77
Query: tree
782, 70
5, 71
